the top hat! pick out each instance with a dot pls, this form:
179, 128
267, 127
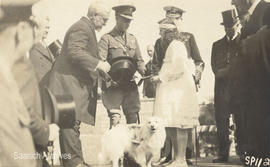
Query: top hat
125, 9
230, 18
15, 10
55, 47
173, 11
122, 69
59, 109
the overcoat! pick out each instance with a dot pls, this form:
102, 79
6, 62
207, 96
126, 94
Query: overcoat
74, 71
42, 60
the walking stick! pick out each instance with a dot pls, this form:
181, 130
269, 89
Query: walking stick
196, 143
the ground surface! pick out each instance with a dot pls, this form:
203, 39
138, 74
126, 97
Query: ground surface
90, 137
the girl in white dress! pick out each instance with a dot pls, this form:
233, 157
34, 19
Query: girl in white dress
176, 100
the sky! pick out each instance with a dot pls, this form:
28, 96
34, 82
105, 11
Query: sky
202, 18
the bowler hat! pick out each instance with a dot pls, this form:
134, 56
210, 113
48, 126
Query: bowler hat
122, 69
59, 109
55, 47
230, 18
15, 10
125, 9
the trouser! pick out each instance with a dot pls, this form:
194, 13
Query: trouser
71, 147
240, 118
166, 151
126, 97
258, 127
222, 115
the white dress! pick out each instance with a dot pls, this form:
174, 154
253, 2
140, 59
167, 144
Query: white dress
176, 100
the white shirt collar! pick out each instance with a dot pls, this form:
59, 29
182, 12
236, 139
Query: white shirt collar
253, 6
235, 35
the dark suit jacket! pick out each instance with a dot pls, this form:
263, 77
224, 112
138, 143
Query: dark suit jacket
255, 21
149, 88
257, 48
74, 71
223, 54
42, 60
161, 47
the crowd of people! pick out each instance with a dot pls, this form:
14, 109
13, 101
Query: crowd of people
86, 68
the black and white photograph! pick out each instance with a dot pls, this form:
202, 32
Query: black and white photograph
134, 83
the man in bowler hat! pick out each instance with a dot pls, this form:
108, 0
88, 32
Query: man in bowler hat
115, 44
224, 51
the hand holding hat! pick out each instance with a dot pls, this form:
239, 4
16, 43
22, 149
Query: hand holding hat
54, 132
104, 66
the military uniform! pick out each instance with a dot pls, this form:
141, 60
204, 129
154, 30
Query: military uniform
114, 45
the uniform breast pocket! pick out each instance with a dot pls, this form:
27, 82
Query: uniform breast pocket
131, 49
115, 50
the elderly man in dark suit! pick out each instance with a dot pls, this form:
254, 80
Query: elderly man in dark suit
223, 53
175, 13
41, 57
75, 72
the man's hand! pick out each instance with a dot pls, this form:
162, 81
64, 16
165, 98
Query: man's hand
198, 76
155, 79
103, 66
99, 91
54, 132
142, 70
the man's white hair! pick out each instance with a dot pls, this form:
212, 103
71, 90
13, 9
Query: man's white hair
100, 7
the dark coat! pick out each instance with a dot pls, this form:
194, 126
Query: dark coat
224, 53
192, 51
74, 71
255, 21
149, 88
257, 49
42, 60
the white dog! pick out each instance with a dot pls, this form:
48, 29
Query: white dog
142, 142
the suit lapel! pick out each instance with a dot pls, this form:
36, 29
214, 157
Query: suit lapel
44, 52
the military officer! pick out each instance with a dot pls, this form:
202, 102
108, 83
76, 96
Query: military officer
115, 44
175, 13
223, 53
